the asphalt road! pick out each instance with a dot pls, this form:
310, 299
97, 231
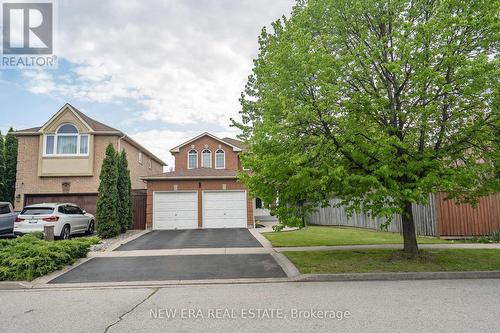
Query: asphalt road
404, 306
194, 238
184, 267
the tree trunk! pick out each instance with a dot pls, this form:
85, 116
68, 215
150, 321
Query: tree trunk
409, 235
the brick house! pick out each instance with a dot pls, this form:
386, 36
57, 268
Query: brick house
61, 160
203, 191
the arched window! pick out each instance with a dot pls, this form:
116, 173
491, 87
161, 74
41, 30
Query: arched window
220, 159
67, 142
206, 158
192, 159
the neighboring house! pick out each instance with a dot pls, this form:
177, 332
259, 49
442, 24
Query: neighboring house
203, 191
61, 160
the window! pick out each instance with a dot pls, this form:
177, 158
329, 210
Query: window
5, 209
141, 157
49, 144
67, 142
206, 158
192, 159
220, 159
37, 211
150, 164
258, 203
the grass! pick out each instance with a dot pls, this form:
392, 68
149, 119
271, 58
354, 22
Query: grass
330, 236
29, 257
387, 260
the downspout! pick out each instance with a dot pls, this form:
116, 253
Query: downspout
119, 143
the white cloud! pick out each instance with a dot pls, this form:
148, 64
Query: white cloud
184, 61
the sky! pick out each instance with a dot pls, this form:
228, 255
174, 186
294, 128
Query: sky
161, 71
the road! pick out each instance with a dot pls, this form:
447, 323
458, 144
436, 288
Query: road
375, 306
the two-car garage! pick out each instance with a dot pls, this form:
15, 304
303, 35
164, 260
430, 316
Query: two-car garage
199, 209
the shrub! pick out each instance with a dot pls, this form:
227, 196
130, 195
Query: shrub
28, 257
107, 200
124, 187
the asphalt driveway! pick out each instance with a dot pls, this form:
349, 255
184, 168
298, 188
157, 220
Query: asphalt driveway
160, 268
194, 238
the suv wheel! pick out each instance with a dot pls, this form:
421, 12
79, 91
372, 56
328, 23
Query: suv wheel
91, 228
65, 232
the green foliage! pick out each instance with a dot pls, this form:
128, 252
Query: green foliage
28, 257
377, 103
10, 166
107, 200
124, 187
2, 167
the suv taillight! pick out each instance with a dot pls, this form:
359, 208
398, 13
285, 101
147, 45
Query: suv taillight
51, 219
18, 219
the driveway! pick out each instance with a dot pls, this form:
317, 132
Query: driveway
194, 238
160, 268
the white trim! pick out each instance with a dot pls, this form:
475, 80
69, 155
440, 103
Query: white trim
223, 160
177, 148
141, 157
203, 204
56, 136
61, 110
187, 177
190, 150
183, 191
203, 159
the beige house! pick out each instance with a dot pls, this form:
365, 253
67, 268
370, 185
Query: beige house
61, 160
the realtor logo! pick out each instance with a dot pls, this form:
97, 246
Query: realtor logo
28, 34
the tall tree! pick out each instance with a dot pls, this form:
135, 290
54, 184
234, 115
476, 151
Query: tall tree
107, 200
124, 193
10, 165
375, 102
2, 168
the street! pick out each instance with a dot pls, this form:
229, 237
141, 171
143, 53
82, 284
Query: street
376, 306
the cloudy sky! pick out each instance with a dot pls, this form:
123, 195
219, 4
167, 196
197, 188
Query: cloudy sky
161, 71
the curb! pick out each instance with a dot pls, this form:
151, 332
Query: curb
15, 285
398, 276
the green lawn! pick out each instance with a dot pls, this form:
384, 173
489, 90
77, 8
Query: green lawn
319, 236
387, 260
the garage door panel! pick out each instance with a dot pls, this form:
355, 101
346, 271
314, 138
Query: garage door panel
226, 209
175, 210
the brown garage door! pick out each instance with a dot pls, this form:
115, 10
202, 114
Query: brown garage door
86, 201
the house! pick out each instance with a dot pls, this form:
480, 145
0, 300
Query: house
61, 160
203, 191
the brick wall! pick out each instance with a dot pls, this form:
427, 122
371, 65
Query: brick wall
194, 185
206, 142
28, 181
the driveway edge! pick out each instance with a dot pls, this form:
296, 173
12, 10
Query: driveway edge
398, 276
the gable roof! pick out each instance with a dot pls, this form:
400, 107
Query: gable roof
229, 143
93, 125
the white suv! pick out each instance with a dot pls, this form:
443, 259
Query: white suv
67, 218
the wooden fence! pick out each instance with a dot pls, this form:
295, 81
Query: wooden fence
439, 217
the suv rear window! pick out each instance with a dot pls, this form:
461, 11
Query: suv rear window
4, 209
37, 211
